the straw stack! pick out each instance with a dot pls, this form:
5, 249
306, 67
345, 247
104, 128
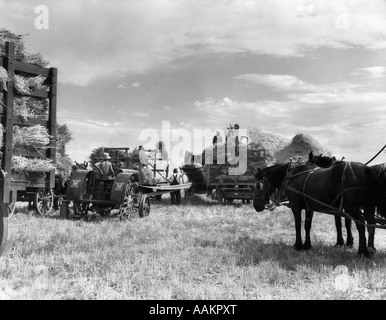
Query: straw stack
31, 138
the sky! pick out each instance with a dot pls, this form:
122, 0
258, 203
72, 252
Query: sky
129, 68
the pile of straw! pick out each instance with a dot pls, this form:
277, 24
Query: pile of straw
300, 146
26, 85
63, 161
20, 52
3, 78
34, 136
20, 164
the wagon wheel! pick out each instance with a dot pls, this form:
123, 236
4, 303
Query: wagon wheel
144, 206
3, 227
44, 200
11, 208
126, 208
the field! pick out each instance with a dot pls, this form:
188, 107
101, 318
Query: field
199, 250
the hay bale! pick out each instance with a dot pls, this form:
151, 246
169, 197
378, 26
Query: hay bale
300, 146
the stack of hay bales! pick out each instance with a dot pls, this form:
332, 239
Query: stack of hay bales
300, 146
31, 138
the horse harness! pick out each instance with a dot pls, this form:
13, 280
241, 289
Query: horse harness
306, 197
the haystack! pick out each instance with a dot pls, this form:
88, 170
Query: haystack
300, 146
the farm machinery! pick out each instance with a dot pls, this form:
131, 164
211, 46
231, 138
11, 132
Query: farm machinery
121, 196
126, 195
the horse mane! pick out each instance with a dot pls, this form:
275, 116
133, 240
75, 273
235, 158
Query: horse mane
322, 161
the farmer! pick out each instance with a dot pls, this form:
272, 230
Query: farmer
143, 158
217, 138
105, 167
176, 179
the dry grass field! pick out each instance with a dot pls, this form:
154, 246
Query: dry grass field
199, 250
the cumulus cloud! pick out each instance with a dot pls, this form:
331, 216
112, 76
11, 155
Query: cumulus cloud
100, 39
372, 72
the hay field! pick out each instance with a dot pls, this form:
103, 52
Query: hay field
199, 250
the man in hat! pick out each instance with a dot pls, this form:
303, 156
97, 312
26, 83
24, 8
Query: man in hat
176, 179
105, 167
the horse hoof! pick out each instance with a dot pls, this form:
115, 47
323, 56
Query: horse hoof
298, 248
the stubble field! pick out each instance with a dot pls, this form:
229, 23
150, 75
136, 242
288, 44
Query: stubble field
199, 250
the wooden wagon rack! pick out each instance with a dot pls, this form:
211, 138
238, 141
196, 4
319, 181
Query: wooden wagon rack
11, 183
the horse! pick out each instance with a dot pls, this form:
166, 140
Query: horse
325, 162
344, 187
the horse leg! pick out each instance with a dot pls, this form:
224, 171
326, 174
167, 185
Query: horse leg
298, 225
339, 237
350, 238
370, 219
360, 223
307, 227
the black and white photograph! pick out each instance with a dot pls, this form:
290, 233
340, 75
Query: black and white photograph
193, 155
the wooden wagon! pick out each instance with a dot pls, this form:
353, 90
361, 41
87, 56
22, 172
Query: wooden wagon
25, 186
229, 187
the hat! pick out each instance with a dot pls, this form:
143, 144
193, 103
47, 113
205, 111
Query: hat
105, 156
236, 126
175, 170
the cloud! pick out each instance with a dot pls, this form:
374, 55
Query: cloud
328, 93
141, 114
89, 40
372, 72
276, 81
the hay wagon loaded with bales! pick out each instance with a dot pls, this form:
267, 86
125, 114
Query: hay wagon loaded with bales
28, 120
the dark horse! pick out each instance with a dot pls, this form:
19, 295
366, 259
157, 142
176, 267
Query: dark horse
344, 187
325, 162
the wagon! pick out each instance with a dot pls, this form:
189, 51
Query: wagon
228, 188
34, 187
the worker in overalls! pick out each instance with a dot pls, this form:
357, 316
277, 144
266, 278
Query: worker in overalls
176, 179
106, 175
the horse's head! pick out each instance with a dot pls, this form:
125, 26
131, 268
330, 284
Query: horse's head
267, 180
320, 160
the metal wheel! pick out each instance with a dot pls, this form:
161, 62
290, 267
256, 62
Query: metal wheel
144, 206
11, 208
3, 227
44, 200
